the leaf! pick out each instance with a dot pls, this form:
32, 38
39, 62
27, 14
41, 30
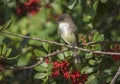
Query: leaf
90, 25
92, 62
92, 79
50, 67
1, 77
87, 70
39, 53
101, 37
87, 18
41, 68
97, 47
95, 36
46, 46
109, 79
61, 56
72, 4
68, 53
88, 55
4, 49
6, 25
79, 1
98, 37
108, 71
44, 64
95, 5
8, 52
40, 75
103, 1
24, 59
13, 58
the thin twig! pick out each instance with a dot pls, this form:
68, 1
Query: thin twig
60, 44
54, 53
26, 67
115, 77
101, 42
40, 60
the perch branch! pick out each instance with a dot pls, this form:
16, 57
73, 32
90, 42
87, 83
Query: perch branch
60, 44
115, 77
99, 42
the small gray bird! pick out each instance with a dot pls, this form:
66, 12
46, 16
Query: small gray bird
69, 33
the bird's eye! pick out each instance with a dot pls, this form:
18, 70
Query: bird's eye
61, 19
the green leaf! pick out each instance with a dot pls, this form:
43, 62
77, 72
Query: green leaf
68, 53
95, 5
6, 25
88, 55
87, 18
4, 49
12, 58
61, 56
87, 70
46, 46
109, 79
72, 3
101, 37
24, 59
92, 79
1, 76
8, 52
98, 37
40, 75
92, 62
44, 64
90, 25
39, 53
97, 47
103, 1
50, 67
108, 71
95, 36
41, 68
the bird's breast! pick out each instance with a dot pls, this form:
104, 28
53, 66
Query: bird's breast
64, 28
66, 33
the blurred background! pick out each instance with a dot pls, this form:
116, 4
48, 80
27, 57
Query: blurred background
96, 20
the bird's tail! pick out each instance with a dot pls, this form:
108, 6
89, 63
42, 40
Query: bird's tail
76, 57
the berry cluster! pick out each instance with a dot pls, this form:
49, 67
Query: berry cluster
116, 48
62, 68
31, 7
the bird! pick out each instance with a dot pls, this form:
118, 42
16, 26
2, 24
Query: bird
69, 33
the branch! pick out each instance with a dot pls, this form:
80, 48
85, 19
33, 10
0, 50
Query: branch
115, 77
60, 44
36, 39
26, 67
99, 42
40, 60
54, 53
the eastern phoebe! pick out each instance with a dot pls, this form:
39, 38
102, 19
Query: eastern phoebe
69, 33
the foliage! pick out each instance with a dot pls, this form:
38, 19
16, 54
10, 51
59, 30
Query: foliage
96, 20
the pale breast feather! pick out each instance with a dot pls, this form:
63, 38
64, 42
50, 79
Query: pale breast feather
66, 33
63, 28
